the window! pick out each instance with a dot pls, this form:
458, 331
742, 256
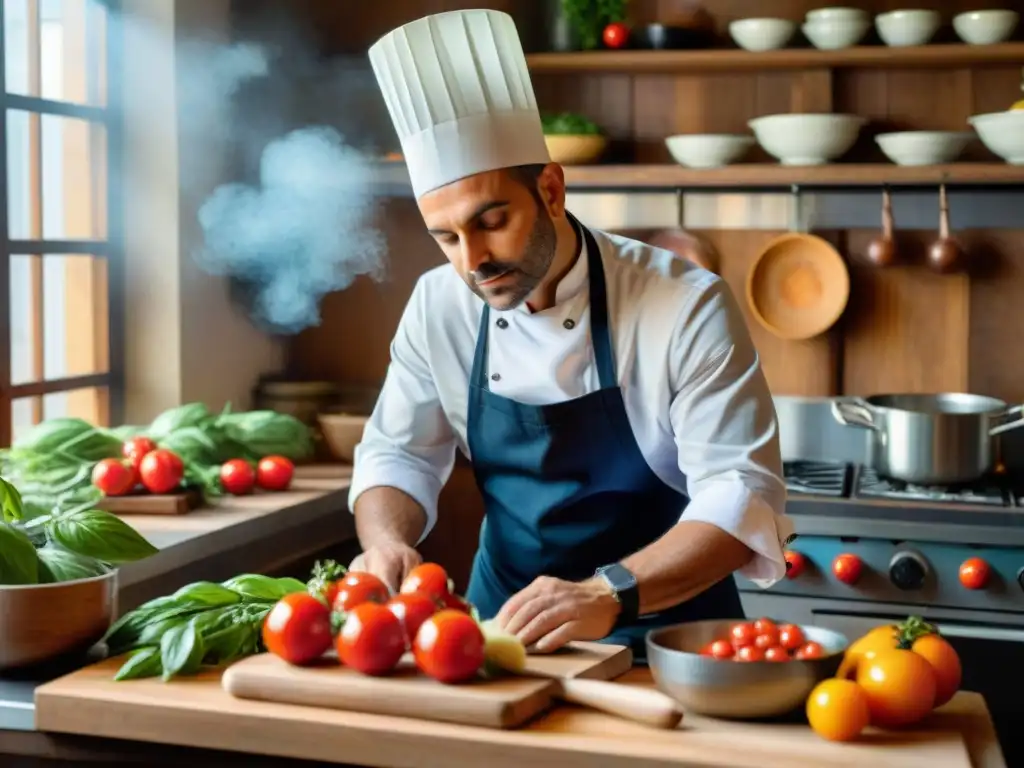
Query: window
59, 252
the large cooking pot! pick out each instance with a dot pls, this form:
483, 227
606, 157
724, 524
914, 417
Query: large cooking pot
939, 439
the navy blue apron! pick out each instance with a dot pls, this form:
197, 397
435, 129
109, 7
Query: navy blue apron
566, 487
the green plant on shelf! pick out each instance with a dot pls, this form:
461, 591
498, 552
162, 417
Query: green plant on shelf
588, 18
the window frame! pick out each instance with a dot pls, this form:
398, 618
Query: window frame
111, 249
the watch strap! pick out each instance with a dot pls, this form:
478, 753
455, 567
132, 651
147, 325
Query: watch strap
626, 590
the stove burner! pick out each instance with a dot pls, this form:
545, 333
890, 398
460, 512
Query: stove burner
986, 492
821, 478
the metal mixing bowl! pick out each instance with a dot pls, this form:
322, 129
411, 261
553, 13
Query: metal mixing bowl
45, 622
730, 689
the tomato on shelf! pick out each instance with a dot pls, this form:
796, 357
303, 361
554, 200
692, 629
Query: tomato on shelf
616, 35
796, 564
847, 568
237, 477
298, 628
975, 573
135, 449
114, 477
274, 473
161, 471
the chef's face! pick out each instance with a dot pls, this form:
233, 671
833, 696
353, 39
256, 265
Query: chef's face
497, 230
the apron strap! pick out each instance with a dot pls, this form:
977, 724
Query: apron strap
600, 330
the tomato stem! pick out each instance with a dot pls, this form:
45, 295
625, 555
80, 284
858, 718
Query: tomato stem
912, 630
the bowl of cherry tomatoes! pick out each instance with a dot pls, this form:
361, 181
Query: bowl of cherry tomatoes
742, 669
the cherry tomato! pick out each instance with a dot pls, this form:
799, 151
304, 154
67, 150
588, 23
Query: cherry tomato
776, 653
274, 473
974, 573
372, 639
810, 650
356, 588
899, 685
298, 628
113, 477
161, 471
456, 603
749, 653
796, 564
847, 568
427, 577
722, 649
837, 710
765, 626
449, 646
742, 634
412, 609
791, 636
237, 477
136, 448
615, 35
706, 650
945, 663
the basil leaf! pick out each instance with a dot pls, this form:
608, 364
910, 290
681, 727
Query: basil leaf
206, 593
264, 588
63, 565
228, 644
144, 626
143, 663
181, 650
19, 563
10, 502
101, 535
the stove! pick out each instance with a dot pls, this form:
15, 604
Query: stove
870, 550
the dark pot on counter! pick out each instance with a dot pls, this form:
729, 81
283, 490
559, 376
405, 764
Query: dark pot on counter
940, 439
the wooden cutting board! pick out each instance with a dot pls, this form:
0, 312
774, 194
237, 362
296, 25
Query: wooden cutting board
505, 702
152, 504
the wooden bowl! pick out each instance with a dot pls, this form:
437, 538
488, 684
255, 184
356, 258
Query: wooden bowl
798, 286
575, 149
342, 432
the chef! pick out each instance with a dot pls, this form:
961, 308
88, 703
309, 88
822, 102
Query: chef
607, 393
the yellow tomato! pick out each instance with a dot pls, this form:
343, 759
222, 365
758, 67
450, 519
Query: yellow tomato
899, 685
837, 710
879, 638
945, 663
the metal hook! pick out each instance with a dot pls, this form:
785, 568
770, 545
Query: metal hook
796, 219
680, 211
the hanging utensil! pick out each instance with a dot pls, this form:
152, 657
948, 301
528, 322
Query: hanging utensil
881, 251
945, 254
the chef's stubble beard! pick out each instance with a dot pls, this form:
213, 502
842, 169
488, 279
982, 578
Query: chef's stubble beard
530, 269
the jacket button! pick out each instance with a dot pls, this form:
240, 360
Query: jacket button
495, 377
502, 323
569, 325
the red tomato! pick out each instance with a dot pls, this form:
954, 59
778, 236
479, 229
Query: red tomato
113, 477
616, 35
298, 628
456, 603
706, 650
791, 637
722, 649
430, 578
449, 646
847, 568
809, 650
356, 588
237, 477
974, 573
274, 473
161, 471
796, 564
742, 634
371, 640
776, 653
749, 653
136, 448
767, 640
765, 626
413, 608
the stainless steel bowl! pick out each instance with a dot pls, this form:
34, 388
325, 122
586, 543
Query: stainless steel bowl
730, 689
44, 622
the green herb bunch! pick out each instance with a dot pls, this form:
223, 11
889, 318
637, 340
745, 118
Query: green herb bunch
589, 18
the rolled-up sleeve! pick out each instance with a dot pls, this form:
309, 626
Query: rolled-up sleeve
408, 443
726, 431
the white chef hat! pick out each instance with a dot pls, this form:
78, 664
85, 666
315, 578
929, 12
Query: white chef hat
460, 97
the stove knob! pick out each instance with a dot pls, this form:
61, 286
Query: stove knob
1020, 578
796, 564
975, 573
847, 568
908, 570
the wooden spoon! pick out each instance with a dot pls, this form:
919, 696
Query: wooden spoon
945, 253
882, 250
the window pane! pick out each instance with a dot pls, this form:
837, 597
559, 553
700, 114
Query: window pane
23, 416
74, 179
56, 49
26, 303
89, 404
23, 175
75, 316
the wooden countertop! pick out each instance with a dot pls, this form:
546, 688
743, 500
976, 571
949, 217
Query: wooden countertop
199, 713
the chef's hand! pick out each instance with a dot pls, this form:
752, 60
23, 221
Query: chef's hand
390, 563
550, 612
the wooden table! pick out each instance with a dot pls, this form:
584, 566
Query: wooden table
198, 713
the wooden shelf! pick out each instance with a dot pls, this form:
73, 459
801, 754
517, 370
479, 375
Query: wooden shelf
733, 60
768, 175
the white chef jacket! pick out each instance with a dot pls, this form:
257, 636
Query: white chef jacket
694, 392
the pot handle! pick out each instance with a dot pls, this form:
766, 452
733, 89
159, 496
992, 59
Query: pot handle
855, 414
1019, 422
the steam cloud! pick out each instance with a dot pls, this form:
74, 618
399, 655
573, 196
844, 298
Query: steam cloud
305, 226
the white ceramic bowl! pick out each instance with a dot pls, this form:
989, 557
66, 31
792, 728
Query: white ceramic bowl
923, 147
830, 35
837, 13
911, 27
708, 150
807, 139
985, 27
1002, 133
762, 34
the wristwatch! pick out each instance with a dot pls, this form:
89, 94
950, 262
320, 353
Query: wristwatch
625, 589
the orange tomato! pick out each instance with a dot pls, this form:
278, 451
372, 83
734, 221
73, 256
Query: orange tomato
838, 710
945, 663
878, 639
899, 685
